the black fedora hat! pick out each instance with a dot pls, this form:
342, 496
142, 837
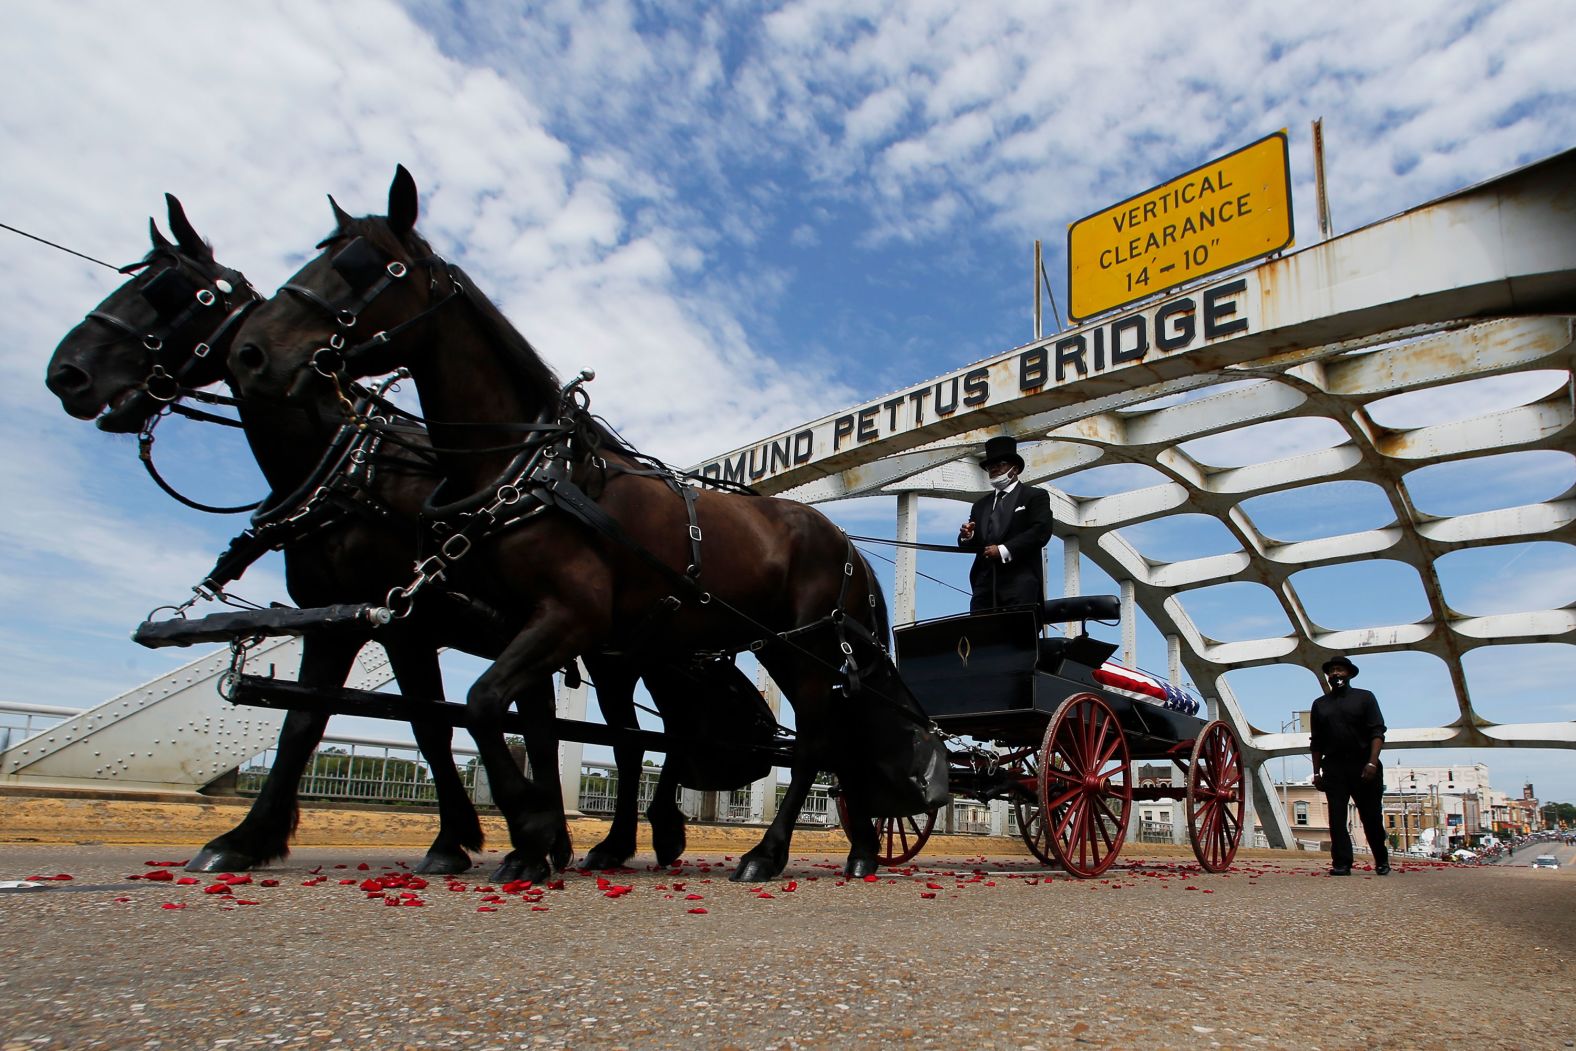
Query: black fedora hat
1337, 662
1002, 449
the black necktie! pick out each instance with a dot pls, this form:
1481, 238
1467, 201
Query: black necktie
998, 516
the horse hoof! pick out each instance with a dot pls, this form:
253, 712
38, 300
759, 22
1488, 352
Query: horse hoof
669, 846
756, 870
514, 868
562, 854
443, 863
859, 868
601, 857
220, 859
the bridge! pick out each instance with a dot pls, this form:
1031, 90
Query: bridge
1478, 284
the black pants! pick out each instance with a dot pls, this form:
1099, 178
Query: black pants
1344, 782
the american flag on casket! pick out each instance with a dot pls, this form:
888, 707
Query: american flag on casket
1142, 686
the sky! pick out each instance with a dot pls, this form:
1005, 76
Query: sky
743, 217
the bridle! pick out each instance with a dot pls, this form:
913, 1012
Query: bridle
368, 273
177, 301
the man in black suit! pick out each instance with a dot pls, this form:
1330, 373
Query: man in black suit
1006, 531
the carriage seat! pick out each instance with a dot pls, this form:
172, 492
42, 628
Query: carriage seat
1080, 607
1081, 648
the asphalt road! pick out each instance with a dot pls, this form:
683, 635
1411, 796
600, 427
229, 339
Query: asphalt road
952, 952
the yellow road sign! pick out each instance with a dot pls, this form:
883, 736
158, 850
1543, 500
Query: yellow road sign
1231, 210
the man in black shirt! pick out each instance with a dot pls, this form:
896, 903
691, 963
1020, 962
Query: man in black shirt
1348, 733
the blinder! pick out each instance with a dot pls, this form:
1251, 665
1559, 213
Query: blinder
358, 263
171, 291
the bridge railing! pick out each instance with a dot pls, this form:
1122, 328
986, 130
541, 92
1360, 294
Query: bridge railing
19, 721
348, 768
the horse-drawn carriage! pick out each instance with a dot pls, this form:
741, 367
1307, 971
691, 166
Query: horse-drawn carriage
563, 542
1064, 735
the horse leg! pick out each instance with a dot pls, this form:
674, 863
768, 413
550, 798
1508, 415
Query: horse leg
667, 820
459, 829
864, 842
264, 834
770, 856
532, 809
615, 694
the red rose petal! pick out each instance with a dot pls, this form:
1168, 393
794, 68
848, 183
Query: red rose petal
486, 908
268, 883
927, 894
371, 885
217, 888
538, 908
361, 867
173, 905
187, 881
243, 901
697, 912
122, 899
693, 897
159, 875
872, 878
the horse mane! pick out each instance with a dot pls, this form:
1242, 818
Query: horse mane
533, 377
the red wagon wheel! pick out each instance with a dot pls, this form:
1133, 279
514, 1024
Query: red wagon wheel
1027, 810
1215, 797
901, 837
1085, 797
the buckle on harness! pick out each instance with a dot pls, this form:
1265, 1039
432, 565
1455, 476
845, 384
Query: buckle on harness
694, 533
672, 603
455, 551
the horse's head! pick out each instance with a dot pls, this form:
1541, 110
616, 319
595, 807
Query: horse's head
165, 330
358, 308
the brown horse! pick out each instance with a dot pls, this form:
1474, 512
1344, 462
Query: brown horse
625, 569
146, 345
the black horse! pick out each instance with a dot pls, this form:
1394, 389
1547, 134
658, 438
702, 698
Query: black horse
164, 333
600, 550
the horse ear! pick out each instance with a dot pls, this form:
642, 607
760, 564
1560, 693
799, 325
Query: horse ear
402, 202
341, 216
156, 235
185, 235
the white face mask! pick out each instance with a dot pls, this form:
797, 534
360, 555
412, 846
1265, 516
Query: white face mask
1001, 482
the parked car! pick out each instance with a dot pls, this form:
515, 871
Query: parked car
1545, 861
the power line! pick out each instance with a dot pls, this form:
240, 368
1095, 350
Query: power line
63, 248
927, 576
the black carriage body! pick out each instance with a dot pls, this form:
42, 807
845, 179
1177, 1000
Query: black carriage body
992, 677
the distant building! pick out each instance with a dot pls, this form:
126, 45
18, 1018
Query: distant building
1434, 809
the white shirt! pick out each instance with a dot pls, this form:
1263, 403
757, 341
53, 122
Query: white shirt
1001, 549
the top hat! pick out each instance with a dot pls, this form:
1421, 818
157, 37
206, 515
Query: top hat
1002, 449
1337, 662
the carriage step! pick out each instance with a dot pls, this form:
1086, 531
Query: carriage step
261, 692
249, 623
